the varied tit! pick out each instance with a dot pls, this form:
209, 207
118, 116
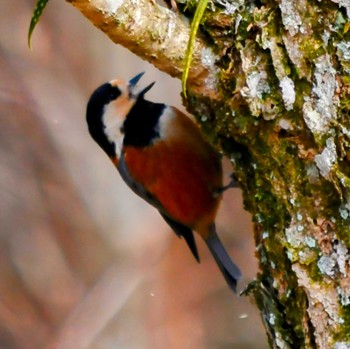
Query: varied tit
162, 156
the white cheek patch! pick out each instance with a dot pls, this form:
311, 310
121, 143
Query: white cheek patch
165, 123
113, 118
174, 124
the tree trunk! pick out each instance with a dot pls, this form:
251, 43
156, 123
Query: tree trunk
269, 84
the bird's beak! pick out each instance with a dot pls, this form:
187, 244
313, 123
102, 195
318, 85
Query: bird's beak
133, 82
145, 90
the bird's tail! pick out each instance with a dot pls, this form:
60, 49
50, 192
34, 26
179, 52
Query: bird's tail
230, 271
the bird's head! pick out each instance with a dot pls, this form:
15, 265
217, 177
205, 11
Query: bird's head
108, 108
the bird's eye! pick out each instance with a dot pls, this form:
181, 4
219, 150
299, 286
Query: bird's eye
113, 94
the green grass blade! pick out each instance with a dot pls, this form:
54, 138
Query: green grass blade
38, 10
202, 5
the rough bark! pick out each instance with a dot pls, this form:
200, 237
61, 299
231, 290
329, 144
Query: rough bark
270, 86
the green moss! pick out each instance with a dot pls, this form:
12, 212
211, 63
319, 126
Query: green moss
302, 89
344, 333
244, 30
339, 22
263, 15
343, 231
281, 312
312, 48
315, 273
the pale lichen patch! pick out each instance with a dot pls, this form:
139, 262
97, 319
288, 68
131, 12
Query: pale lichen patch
326, 160
288, 92
326, 265
211, 82
257, 86
312, 173
319, 109
171, 28
344, 295
312, 117
300, 246
325, 86
108, 6
208, 58
344, 48
290, 17
230, 7
285, 125
342, 257
342, 345
278, 54
295, 55
331, 256
257, 89
280, 342
310, 241
323, 307
345, 4
343, 53
344, 211
281, 66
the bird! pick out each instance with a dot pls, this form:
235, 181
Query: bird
162, 155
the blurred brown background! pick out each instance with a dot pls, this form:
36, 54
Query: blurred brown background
84, 263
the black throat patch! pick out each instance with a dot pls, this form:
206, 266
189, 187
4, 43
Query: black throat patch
141, 125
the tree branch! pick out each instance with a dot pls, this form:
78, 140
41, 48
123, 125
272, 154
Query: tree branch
155, 34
